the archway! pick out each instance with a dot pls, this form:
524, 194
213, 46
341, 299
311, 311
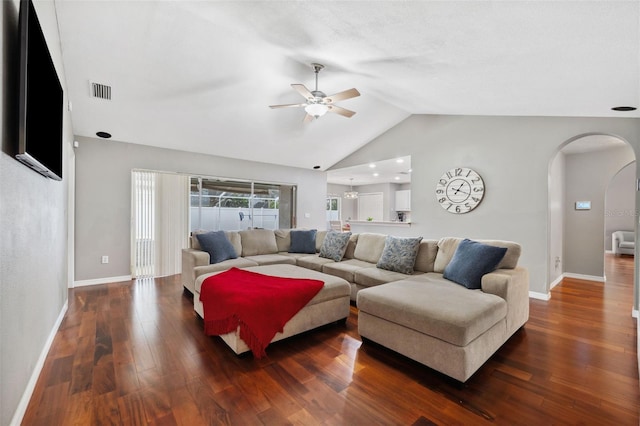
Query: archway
579, 175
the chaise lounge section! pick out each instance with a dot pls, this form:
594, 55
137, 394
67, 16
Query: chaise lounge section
442, 324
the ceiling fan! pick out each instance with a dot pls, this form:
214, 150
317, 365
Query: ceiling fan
318, 104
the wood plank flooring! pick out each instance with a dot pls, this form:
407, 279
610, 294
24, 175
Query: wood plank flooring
134, 353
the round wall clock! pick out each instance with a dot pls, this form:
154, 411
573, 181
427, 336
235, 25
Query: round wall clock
460, 190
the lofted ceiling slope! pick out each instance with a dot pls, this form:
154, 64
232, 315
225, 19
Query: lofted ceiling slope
199, 75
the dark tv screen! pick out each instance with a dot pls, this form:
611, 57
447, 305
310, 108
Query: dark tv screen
41, 99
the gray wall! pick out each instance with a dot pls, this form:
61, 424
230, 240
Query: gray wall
33, 229
587, 177
512, 154
619, 207
103, 196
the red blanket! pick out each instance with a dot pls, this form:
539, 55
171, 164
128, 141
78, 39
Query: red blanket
260, 304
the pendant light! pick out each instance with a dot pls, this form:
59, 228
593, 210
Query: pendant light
351, 195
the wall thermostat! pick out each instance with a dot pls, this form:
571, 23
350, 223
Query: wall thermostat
583, 205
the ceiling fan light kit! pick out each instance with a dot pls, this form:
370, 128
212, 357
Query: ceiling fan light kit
317, 110
318, 103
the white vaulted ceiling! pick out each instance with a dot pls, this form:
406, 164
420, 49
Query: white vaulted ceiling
200, 75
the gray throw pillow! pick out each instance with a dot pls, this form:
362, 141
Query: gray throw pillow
334, 245
471, 261
399, 254
303, 241
217, 245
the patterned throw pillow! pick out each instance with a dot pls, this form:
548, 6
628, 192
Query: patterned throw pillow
471, 261
303, 241
399, 254
334, 245
217, 245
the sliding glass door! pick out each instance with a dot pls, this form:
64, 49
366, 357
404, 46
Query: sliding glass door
223, 204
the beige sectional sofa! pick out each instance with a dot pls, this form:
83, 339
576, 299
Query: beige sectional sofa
421, 315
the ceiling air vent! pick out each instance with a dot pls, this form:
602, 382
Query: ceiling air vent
100, 91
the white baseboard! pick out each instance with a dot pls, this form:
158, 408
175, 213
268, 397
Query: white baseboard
540, 296
583, 277
556, 281
37, 369
97, 281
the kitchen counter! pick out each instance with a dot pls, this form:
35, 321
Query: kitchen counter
380, 222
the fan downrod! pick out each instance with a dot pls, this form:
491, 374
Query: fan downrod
317, 67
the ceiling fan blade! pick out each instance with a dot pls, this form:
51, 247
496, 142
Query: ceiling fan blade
308, 118
287, 106
347, 94
303, 91
342, 111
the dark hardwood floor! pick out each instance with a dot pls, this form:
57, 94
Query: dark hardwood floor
134, 353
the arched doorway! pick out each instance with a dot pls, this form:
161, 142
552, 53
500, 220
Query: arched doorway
579, 175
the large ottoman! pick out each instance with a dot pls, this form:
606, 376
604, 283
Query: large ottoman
331, 304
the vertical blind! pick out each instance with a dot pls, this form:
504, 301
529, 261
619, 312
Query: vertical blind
160, 224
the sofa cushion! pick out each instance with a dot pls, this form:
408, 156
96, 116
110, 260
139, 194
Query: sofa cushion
369, 247
399, 254
283, 239
351, 246
346, 269
258, 241
313, 262
303, 241
193, 239
447, 247
471, 261
426, 256
368, 277
320, 239
217, 245
272, 259
235, 240
334, 245
443, 310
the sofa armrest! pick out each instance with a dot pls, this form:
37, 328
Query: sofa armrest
615, 242
190, 259
513, 286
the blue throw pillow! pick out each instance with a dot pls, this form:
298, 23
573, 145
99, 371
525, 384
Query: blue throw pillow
399, 254
303, 241
217, 245
334, 245
471, 261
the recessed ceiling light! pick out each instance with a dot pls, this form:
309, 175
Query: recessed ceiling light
624, 108
103, 135
399, 160
373, 166
376, 174
397, 178
410, 170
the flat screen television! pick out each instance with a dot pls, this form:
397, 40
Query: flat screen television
40, 108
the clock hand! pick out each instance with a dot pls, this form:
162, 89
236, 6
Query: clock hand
459, 188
